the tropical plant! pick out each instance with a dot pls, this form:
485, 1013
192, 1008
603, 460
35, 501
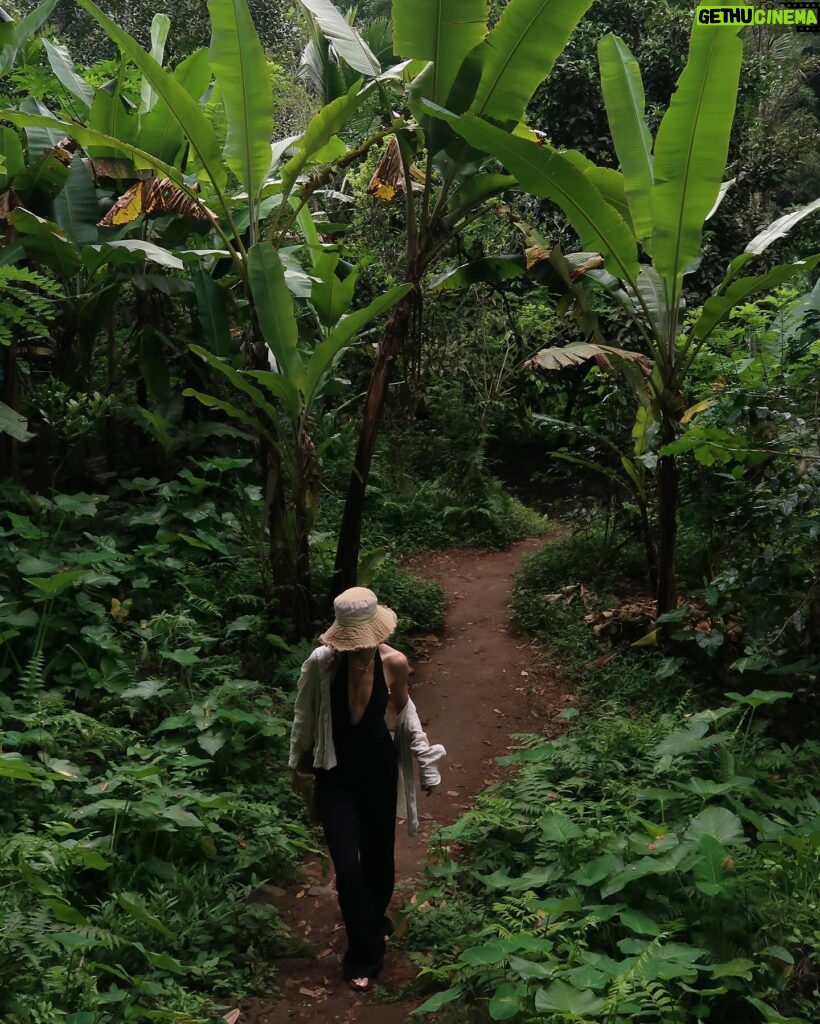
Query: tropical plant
659, 202
452, 57
250, 195
642, 868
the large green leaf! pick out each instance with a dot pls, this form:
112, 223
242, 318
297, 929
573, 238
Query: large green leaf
476, 190
13, 35
441, 31
185, 109
63, 67
780, 227
242, 75
567, 1001
274, 308
112, 113
321, 361
45, 242
75, 208
716, 308
519, 54
718, 822
38, 139
13, 424
160, 132
332, 294
253, 423
624, 99
160, 26
651, 300
543, 171
212, 309
344, 39
609, 182
140, 249
690, 151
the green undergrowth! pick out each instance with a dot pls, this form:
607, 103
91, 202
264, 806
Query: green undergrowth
143, 737
659, 868
407, 512
424, 515
656, 863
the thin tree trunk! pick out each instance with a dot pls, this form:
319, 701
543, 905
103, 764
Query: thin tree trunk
667, 595
649, 546
350, 534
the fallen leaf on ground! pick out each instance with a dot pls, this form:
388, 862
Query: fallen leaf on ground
233, 1016
313, 993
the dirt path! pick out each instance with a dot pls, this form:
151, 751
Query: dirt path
473, 687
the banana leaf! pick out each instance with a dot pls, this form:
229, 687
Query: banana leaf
76, 209
625, 107
88, 137
160, 132
63, 67
44, 241
112, 114
716, 307
321, 361
11, 151
691, 149
160, 26
489, 270
241, 71
212, 310
441, 31
780, 227
519, 54
543, 171
320, 130
274, 308
344, 39
14, 34
270, 424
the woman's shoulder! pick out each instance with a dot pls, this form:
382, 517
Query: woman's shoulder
322, 657
393, 658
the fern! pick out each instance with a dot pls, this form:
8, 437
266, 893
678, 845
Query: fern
32, 680
28, 303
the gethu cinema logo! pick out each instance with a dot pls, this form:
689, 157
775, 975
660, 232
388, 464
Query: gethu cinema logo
800, 17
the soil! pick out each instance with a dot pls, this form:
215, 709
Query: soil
474, 685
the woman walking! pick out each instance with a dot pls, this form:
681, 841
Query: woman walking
340, 733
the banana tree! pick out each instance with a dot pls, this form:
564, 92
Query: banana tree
658, 203
254, 195
453, 58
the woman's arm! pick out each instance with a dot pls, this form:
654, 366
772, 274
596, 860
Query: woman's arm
304, 712
396, 674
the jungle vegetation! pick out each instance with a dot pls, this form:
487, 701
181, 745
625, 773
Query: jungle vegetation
287, 299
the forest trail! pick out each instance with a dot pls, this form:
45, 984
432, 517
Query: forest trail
473, 686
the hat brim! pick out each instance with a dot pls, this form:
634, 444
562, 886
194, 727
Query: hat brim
365, 634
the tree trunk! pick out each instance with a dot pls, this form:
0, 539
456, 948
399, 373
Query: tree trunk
350, 534
649, 545
667, 596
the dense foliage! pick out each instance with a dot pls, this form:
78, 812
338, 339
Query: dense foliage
265, 302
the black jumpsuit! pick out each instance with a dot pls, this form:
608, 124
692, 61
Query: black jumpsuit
356, 802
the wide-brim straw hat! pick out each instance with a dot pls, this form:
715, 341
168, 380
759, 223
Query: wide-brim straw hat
360, 621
